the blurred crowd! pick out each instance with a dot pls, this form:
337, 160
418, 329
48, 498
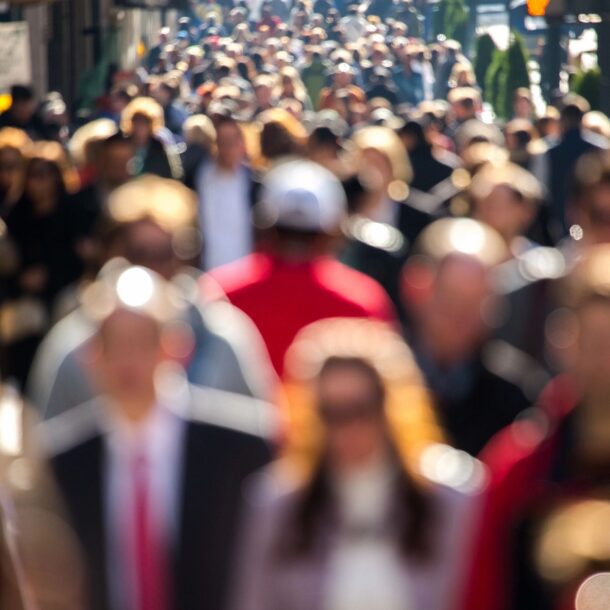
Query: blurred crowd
292, 321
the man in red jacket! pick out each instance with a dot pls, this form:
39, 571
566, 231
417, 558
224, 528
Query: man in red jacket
294, 280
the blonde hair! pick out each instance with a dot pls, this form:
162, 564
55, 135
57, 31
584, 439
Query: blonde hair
408, 409
199, 129
143, 106
385, 141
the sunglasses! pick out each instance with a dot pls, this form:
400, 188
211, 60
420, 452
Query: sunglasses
339, 415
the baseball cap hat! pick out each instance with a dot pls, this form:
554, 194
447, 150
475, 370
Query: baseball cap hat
303, 196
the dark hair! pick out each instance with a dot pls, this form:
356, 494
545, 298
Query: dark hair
58, 177
22, 93
414, 510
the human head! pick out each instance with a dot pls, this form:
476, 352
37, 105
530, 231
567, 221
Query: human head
48, 173
141, 119
230, 145
590, 197
505, 197
573, 109
465, 103
114, 162
447, 288
346, 380
14, 148
523, 107
132, 307
382, 161
152, 223
23, 103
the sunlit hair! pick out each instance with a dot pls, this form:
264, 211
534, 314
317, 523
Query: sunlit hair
462, 75
121, 286
16, 139
598, 123
55, 154
280, 134
290, 73
85, 140
146, 107
461, 237
168, 203
199, 129
385, 141
408, 408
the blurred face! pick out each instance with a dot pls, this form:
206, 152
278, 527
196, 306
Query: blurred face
11, 167
142, 129
593, 349
523, 107
263, 96
452, 316
352, 418
129, 352
115, 164
23, 111
40, 181
342, 79
503, 210
230, 144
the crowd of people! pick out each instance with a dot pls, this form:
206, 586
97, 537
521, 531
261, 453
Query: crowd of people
291, 321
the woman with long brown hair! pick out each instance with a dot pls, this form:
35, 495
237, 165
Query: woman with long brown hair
365, 510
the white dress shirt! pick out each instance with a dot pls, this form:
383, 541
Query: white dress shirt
225, 218
159, 440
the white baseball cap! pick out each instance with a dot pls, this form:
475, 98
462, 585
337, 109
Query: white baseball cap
303, 196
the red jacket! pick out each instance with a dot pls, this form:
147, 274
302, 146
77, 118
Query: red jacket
518, 458
283, 297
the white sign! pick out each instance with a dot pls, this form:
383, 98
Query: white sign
15, 60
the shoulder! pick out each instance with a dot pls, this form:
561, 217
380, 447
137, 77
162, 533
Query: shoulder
515, 368
233, 413
272, 489
241, 274
64, 433
339, 277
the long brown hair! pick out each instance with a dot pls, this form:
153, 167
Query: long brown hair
381, 354
414, 508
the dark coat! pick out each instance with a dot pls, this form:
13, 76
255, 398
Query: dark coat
217, 460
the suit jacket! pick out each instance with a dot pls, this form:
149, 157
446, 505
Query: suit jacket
225, 441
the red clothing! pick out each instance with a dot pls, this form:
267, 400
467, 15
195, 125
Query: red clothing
283, 297
517, 459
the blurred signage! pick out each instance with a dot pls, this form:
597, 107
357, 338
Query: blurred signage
537, 8
15, 61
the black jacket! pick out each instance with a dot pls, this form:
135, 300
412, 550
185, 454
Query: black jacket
217, 460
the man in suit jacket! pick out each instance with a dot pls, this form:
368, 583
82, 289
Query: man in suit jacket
151, 471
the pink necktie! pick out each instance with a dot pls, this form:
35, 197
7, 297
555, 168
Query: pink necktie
151, 569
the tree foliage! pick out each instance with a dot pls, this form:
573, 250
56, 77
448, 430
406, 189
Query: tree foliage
507, 72
485, 51
588, 84
451, 20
